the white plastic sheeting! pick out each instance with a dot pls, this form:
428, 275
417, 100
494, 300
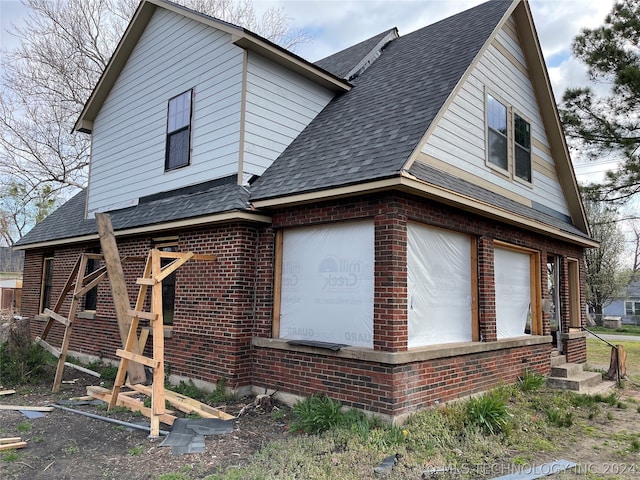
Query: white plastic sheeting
327, 284
439, 286
513, 292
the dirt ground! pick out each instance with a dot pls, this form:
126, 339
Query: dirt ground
65, 445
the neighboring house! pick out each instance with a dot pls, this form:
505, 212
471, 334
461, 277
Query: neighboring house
11, 265
627, 305
395, 225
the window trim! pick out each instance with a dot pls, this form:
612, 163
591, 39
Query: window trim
170, 134
511, 113
473, 259
535, 282
573, 277
495, 166
45, 288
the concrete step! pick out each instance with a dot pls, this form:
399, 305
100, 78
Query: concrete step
580, 382
557, 359
603, 388
566, 370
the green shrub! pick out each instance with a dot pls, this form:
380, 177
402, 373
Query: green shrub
316, 414
24, 362
531, 381
488, 412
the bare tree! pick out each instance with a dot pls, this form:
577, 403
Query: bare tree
603, 264
65, 46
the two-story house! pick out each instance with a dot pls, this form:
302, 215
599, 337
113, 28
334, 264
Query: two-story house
396, 224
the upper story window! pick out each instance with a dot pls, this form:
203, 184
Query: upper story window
178, 131
522, 145
508, 140
497, 133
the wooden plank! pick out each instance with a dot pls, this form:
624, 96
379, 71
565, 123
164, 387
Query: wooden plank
204, 257
82, 369
12, 446
157, 398
186, 404
118, 289
145, 315
67, 287
173, 266
26, 407
277, 286
136, 357
146, 281
7, 392
49, 348
10, 440
91, 284
57, 317
123, 400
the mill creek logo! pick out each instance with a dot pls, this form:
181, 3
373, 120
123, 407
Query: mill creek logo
291, 274
340, 273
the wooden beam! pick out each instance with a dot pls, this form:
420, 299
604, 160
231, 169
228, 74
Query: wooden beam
82, 369
7, 392
124, 400
67, 286
118, 289
49, 348
145, 315
57, 317
135, 357
173, 266
157, 398
277, 286
12, 446
26, 408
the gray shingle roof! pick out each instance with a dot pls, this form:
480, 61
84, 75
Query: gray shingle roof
213, 197
458, 185
341, 63
369, 132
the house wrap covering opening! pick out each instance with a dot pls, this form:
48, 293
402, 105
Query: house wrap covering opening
439, 286
513, 292
327, 284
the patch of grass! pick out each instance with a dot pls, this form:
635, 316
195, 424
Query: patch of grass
635, 445
23, 427
624, 330
10, 456
172, 476
560, 418
599, 354
37, 439
280, 413
71, 449
219, 395
531, 381
107, 371
134, 451
488, 412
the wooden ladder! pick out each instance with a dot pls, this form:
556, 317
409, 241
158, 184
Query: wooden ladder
80, 284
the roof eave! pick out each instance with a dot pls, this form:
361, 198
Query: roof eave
223, 217
410, 184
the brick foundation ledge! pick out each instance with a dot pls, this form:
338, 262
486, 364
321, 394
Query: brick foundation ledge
419, 354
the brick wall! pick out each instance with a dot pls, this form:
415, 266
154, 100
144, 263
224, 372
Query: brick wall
221, 305
214, 301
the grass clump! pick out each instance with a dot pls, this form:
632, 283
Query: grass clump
531, 381
316, 414
488, 412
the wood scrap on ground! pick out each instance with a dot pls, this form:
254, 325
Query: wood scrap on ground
12, 443
7, 392
26, 408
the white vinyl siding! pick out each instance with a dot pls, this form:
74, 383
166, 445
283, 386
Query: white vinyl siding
174, 54
460, 136
279, 105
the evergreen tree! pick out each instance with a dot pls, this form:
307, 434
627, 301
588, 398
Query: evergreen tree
609, 126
